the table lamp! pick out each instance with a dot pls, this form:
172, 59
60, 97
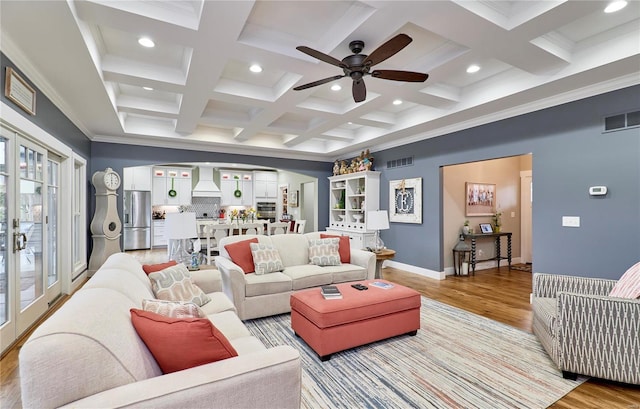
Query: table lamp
179, 228
378, 220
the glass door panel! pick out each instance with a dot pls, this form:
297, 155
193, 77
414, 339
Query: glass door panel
4, 229
51, 220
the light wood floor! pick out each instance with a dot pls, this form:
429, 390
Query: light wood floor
499, 294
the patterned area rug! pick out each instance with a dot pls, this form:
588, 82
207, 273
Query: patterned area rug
457, 360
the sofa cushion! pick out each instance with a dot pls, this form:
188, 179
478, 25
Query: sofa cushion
346, 272
173, 309
174, 284
324, 252
628, 286
120, 281
219, 303
230, 325
273, 283
152, 268
344, 249
126, 262
308, 275
198, 341
266, 258
240, 254
293, 248
545, 309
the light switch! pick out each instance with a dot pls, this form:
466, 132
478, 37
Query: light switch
570, 221
513, 214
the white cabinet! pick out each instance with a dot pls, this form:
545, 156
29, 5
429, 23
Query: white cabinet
167, 179
265, 186
159, 238
350, 198
137, 178
358, 240
236, 188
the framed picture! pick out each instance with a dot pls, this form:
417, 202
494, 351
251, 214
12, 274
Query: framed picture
405, 201
480, 199
293, 198
486, 228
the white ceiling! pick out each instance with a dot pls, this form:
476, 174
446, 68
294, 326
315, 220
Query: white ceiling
85, 57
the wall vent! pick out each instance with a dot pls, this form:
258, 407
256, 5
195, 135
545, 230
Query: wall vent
622, 121
400, 163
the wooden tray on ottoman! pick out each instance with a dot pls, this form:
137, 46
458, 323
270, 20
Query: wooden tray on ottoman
358, 318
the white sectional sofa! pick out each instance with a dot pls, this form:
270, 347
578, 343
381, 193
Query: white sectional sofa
256, 296
88, 354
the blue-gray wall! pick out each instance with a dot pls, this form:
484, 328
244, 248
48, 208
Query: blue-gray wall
48, 116
570, 153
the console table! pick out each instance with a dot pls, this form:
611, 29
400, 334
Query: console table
495, 236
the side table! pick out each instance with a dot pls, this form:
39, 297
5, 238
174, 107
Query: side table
381, 256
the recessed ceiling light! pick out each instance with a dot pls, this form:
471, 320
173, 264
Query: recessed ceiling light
255, 68
615, 6
336, 87
473, 68
147, 88
350, 123
397, 101
146, 42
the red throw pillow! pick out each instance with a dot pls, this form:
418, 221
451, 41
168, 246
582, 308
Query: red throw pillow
344, 247
178, 344
152, 268
240, 253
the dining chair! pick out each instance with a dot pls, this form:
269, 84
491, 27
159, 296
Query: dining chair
299, 226
213, 234
251, 229
277, 228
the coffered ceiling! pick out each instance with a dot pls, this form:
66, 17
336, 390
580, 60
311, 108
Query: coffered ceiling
85, 56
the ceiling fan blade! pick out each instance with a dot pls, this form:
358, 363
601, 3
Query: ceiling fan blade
407, 76
388, 49
321, 56
359, 90
319, 82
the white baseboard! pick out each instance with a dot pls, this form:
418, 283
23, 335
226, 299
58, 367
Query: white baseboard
436, 275
483, 265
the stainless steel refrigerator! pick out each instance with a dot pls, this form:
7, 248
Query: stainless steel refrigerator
137, 220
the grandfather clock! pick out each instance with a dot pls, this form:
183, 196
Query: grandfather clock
105, 226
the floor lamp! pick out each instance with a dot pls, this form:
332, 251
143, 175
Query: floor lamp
378, 220
179, 229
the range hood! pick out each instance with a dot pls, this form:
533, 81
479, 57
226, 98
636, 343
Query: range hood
205, 186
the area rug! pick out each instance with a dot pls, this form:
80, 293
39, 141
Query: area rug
457, 360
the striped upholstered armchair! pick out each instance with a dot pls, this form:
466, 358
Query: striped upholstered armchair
584, 330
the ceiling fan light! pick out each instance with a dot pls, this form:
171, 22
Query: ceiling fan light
473, 68
397, 102
146, 42
336, 87
615, 6
255, 68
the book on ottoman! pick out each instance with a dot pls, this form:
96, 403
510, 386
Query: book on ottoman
331, 292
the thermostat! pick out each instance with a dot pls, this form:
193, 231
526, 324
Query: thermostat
598, 190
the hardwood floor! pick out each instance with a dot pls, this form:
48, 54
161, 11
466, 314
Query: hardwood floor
499, 294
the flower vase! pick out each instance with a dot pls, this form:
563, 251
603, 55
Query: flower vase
465, 229
496, 229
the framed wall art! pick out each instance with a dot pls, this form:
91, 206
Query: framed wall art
405, 201
480, 199
19, 91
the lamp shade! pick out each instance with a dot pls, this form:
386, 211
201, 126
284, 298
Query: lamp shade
180, 226
377, 220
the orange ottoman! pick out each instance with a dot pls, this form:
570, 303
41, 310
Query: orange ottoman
359, 318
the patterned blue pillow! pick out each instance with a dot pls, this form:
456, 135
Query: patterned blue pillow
266, 259
324, 252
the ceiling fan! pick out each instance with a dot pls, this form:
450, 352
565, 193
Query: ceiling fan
358, 65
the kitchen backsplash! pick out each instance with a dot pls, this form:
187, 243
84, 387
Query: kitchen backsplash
205, 206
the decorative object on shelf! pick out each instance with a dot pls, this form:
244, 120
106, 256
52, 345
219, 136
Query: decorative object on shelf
405, 200
179, 229
378, 220
486, 228
336, 168
461, 257
497, 222
361, 163
465, 227
358, 217
342, 199
480, 199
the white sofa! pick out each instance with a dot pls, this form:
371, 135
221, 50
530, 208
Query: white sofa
256, 296
88, 354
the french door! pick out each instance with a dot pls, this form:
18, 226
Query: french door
29, 236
